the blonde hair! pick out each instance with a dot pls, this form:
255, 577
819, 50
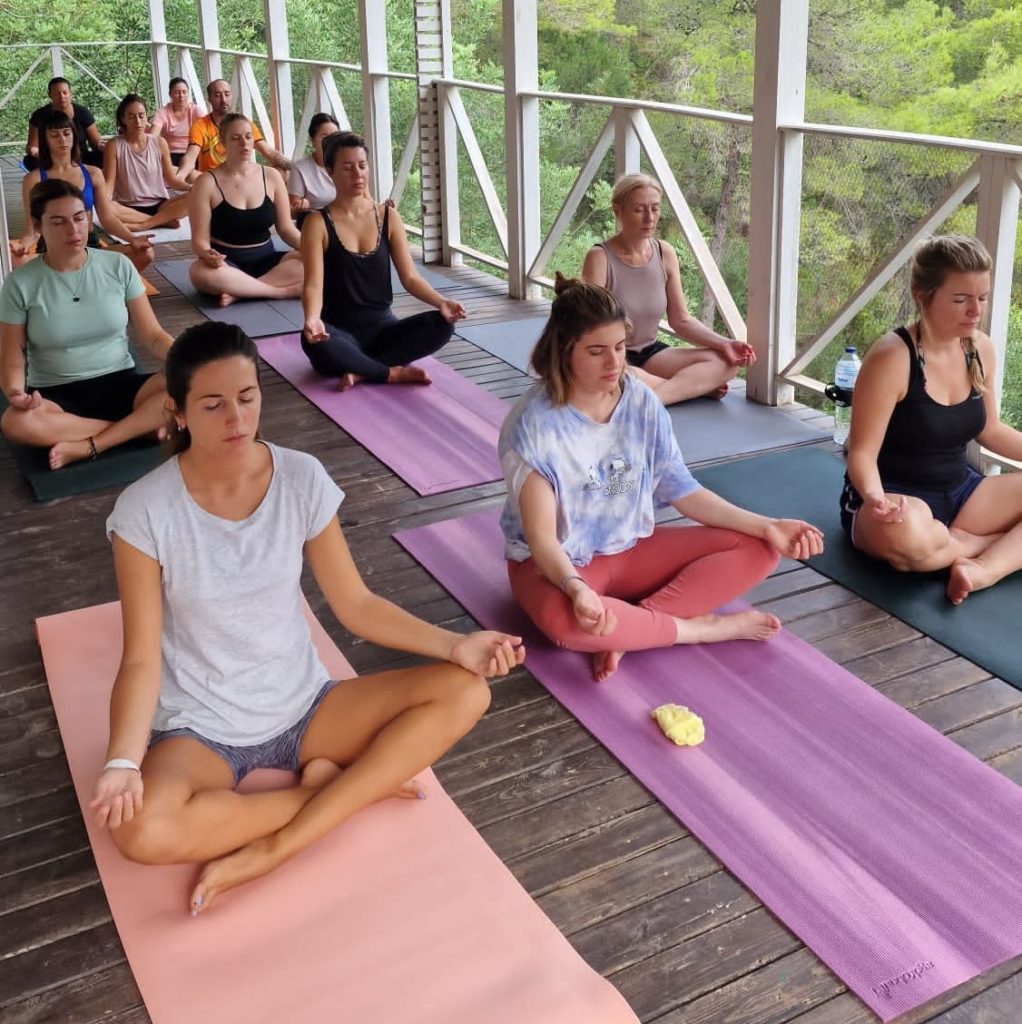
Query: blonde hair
628, 183
936, 257
578, 308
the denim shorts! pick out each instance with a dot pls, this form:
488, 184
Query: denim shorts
280, 751
944, 504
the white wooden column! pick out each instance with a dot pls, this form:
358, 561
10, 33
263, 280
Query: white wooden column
521, 133
776, 194
438, 136
997, 228
278, 49
159, 56
372, 22
57, 62
209, 37
626, 143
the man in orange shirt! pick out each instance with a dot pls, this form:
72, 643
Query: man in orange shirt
204, 151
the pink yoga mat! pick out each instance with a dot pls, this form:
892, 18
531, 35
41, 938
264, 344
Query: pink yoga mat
436, 438
891, 852
402, 915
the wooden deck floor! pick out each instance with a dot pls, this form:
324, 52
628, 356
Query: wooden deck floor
641, 900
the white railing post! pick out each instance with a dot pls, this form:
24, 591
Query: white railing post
209, 36
438, 137
626, 143
776, 187
278, 49
372, 21
521, 134
997, 228
159, 55
57, 61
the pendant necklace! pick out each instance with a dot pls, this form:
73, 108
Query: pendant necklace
75, 288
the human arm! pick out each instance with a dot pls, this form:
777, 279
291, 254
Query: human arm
594, 266
30, 235
13, 343
95, 139
282, 209
487, 653
313, 246
688, 328
110, 169
170, 174
199, 208
32, 146
401, 255
146, 328
188, 161
537, 505
297, 189
108, 215
272, 156
882, 383
997, 436
792, 537
117, 795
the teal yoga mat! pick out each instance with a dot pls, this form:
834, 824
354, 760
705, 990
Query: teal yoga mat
806, 484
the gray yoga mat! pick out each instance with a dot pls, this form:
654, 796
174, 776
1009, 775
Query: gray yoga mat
806, 484
707, 430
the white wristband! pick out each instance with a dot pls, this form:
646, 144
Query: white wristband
121, 762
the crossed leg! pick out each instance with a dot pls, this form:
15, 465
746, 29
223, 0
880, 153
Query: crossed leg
688, 373
284, 281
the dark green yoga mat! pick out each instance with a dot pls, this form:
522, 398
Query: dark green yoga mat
118, 466
806, 484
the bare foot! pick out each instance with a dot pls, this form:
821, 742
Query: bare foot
718, 393
711, 629
408, 375
349, 380
605, 664
63, 453
252, 861
172, 224
226, 300
967, 575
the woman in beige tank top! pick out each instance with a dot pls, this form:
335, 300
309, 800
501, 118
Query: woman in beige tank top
644, 276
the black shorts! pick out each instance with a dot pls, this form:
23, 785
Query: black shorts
640, 356
176, 158
151, 210
110, 397
254, 260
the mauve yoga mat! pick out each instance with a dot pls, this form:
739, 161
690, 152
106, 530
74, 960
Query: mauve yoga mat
807, 484
707, 430
358, 928
891, 852
436, 438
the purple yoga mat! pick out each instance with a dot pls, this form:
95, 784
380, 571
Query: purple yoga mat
891, 852
436, 438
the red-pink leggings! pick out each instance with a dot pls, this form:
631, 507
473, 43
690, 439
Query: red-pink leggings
678, 572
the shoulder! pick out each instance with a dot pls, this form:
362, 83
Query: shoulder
393, 217
667, 254
986, 350
138, 500
595, 261
95, 174
274, 179
889, 350
82, 114
296, 467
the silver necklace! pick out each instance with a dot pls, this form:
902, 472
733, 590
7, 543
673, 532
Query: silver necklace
74, 288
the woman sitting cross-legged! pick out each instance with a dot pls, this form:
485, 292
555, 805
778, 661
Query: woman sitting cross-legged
232, 209
347, 248
923, 394
66, 369
60, 160
645, 277
138, 170
219, 676
589, 454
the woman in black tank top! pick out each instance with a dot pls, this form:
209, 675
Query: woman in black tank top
347, 249
232, 210
923, 394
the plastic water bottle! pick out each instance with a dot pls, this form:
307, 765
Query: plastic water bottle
845, 372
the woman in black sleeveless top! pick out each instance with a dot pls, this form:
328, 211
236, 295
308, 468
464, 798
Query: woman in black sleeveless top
232, 209
922, 396
347, 248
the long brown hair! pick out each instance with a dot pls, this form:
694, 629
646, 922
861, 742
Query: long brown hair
932, 261
578, 308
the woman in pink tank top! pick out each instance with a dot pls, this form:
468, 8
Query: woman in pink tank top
644, 275
138, 171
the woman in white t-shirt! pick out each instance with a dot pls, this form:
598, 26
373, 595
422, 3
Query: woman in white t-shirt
218, 674
309, 185
589, 454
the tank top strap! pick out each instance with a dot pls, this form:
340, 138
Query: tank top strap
266, 195
658, 255
212, 174
88, 192
331, 231
384, 240
916, 373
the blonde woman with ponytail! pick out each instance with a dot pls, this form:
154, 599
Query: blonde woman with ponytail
589, 455
923, 394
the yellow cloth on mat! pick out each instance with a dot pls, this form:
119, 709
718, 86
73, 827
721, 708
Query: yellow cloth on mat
679, 724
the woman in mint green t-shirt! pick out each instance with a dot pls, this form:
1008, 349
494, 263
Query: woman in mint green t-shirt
65, 368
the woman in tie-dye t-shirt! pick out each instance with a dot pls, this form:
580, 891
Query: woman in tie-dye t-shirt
589, 454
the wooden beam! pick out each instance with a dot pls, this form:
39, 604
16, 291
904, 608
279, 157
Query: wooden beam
372, 20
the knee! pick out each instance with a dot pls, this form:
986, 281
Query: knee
765, 557
468, 696
23, 426
149, 838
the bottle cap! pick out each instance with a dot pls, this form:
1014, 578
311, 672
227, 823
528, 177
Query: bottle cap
849, 348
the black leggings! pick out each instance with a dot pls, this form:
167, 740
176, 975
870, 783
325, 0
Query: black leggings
371, 350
